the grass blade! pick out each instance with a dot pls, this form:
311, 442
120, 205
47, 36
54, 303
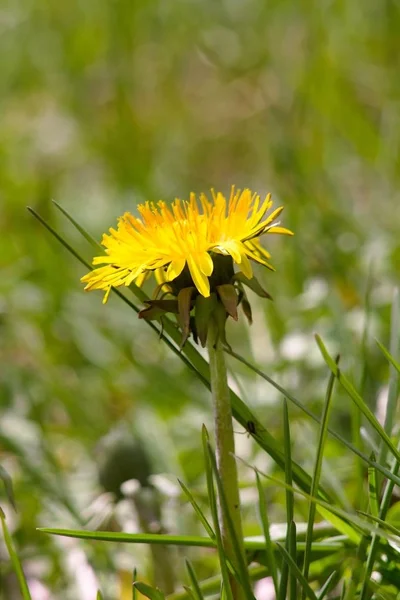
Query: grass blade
314, 417
199, 512
270, 556
193, 579
293, 554
353, 394
295, 571
373, 490
16, 563
81, 230
328, 585
323, 432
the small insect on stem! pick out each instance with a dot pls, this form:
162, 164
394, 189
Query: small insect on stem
250, 429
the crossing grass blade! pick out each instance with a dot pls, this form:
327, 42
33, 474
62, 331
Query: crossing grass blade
193, 360
212, 585
384, 524
373, 490
199, 512
328, 585
323, 432
353, 394
295, 571
293, 554
315, 418
193, 580
356, 525
269, 552
15, 561
95, 244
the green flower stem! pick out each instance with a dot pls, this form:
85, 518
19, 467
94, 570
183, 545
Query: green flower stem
225, 450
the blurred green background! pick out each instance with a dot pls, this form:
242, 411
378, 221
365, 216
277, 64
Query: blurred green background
107, 104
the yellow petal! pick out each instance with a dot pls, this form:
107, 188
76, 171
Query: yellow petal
276, 229
205, 263
245, 267
175, 268
200, 280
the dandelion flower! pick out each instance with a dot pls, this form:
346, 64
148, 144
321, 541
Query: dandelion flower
191, 244
185, 234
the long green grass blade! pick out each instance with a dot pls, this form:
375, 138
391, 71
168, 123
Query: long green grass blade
81, 229
293, 555
132, 538
16, 563
353, 394
373, 490
314, 417
389, 357
384, 524
353, 520
269, 552
197, 593
323, 432
295, 571
328, 585
288, 466
199, 512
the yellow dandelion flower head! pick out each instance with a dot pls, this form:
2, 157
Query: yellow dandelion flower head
165, 240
